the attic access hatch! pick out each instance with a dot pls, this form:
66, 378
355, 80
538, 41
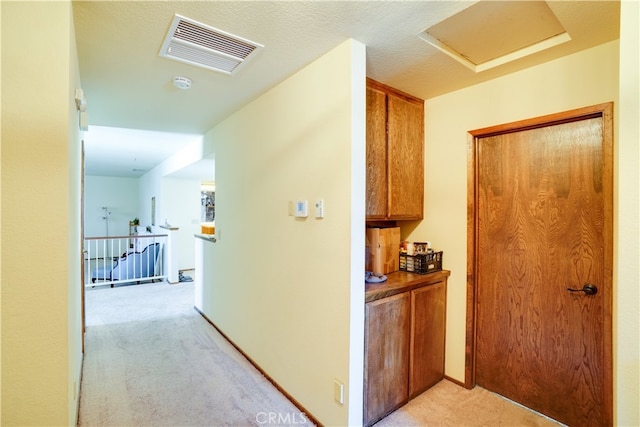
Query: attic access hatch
203, 46
492, 33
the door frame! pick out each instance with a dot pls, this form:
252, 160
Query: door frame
605, 111
82, 265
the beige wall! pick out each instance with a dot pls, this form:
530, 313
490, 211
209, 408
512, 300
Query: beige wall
167, 189
293, 326
41, 347
288, 291
627, 263
585, 78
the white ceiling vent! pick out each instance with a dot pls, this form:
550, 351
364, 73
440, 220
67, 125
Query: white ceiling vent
197, 44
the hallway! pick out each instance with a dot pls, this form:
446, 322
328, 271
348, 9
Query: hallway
152, 360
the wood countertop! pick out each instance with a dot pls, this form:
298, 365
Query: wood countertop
401, 281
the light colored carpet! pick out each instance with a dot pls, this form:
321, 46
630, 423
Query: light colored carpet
447, 404
152, 360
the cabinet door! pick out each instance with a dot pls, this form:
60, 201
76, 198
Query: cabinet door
405, 158
386, 372
376, 154
428, 311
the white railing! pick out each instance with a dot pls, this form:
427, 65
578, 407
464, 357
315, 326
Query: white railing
124, 259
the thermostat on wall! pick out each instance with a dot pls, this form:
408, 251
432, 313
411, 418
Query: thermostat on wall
302, 209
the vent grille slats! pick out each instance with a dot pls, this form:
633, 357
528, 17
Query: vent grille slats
197, 56
196, 44
213, 40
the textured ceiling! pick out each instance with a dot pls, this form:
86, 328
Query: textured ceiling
128, 85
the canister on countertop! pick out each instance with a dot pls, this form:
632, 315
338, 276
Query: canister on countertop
382, 250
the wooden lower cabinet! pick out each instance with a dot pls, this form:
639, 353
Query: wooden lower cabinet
404, 348
426, 357
387, 324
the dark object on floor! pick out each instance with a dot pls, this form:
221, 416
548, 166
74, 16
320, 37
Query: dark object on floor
183, 278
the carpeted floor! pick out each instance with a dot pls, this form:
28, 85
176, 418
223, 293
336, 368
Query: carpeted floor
152, 360
447, 404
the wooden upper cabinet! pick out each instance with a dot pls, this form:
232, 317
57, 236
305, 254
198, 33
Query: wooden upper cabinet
405, 120
376, 153
395, 158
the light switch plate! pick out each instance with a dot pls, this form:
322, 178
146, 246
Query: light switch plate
302, 209
319, 207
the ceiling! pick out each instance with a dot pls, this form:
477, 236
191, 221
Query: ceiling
128, 86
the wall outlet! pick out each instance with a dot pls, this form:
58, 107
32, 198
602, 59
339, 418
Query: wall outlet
338, 391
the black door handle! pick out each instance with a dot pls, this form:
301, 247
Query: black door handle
588, 289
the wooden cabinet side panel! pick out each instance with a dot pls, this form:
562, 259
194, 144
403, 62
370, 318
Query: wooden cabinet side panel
376, 154
405, 158
428, 317
386, 373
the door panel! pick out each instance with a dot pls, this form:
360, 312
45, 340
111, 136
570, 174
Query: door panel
376, 153
405, 145
428, 318
386, 370
542, 221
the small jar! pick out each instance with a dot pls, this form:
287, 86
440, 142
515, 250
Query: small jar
410, 249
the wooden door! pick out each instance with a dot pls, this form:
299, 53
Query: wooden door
543, 224
386, 370
405, 118
376, 153
428, 312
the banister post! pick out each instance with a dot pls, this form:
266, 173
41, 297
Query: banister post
171, 257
